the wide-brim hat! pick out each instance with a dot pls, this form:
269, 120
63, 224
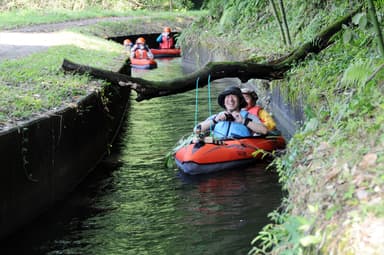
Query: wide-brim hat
231, 91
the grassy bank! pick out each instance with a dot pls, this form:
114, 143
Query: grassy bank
26, 17
21, 18
332, 171
36, 84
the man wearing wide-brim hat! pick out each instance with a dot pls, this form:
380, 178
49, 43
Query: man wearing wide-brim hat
233, 122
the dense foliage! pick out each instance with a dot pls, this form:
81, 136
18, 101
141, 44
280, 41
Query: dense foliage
332, 170
251, 26
117, 5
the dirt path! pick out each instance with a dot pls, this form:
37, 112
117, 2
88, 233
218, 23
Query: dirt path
21, 42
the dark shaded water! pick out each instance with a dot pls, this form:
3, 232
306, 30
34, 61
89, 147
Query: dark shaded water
133, 204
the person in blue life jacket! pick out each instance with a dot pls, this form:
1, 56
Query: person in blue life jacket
233, 122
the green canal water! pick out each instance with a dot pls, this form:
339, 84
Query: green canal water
133, 204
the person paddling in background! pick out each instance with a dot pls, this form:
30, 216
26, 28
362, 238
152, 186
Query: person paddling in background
141, 50
127, 45
232, 122
165, 39
251, 97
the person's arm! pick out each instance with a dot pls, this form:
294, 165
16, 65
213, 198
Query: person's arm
254, 124
205, 125
269, 122
133, 51
259, 128
159, 39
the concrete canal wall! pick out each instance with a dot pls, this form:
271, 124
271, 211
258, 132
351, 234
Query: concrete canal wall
46, 158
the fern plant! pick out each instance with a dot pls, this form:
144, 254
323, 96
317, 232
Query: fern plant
357, 73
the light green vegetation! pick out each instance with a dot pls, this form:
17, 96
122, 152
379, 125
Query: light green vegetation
136, 25
36, 84
119, 5
20, 18
333, 168
15, 13
249, 28
17, 18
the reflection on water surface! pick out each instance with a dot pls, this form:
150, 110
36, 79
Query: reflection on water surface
133, 204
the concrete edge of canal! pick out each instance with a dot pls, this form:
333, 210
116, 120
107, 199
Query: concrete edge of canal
46, 158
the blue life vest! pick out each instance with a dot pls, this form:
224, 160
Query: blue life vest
231, 129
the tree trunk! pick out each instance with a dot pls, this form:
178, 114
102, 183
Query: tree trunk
284, 17
245, 70
216, 70
376, 24
277, 17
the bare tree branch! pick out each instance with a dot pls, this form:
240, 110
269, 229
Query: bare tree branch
245, 70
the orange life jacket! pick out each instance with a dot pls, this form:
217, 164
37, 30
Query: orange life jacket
141, 54
255, 111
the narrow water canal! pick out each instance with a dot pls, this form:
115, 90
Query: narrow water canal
133, 204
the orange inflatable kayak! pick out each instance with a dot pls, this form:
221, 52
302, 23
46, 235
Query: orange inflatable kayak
201, 157
166, 53
143, 63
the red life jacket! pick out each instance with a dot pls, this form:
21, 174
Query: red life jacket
255, 111
141, 54
167, 42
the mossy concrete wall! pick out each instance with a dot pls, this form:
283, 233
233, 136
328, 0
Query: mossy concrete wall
288, 115
44, 159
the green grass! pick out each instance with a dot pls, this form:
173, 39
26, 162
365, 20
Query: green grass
19, 18
37, 84
141, 24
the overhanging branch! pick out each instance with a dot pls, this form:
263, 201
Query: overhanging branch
245, 70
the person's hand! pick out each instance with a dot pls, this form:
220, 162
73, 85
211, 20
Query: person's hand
229, 117
226, 116
197, 129
220, 117
237, 117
